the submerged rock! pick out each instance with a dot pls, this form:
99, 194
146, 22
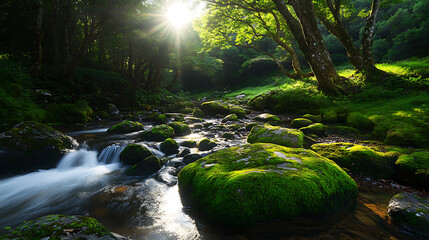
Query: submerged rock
158, 133
180, 129
414, 168
134, 153
300, 122
410, 212
146, 167
169, 146
30, 146
126, 127
278, 135
255, 183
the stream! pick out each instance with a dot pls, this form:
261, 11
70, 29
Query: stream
90, 181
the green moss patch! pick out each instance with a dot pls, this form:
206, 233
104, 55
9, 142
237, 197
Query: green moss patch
134, 153
206, 144
241, 186
215, 107
161, 119
278, 135
313, 118
158, 133
198, 113
169, 146
300, 122
414, 168
266, 117
238, 111
126, 127
359, 121
146, 167
317, 129
180, 129
230, 118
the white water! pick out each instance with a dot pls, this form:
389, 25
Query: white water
111, 154
77, 176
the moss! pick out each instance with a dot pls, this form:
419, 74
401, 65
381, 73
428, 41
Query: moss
359, 121
241, 186
300, 122
359, 159
330, 116
180, 129
146, 167
169, 146
313, 118
250, 126
193, 120
189, 144
68, 112
158, 133
317, 129
262, 102
278, 135
126, 127
407, 135
215, 107
230, 117
53, 227
206, 144
234, 127
238, 111
161, 119
134, 153
198, 113
414, 168
266, 117
344, 130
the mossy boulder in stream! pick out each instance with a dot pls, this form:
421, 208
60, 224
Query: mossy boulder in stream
30, 146
411, 213
215, 107
198, 113
126, 127
414, 168
60, 227
158, 133
359, 159
134, 153
256, 183
230, 118
240, 112
206, 144
169, 146
180, 129
300, 122
161, 119
266, 117
317, 129
146, 167
313, 118
278, 135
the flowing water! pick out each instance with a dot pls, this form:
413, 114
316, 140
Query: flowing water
90, 181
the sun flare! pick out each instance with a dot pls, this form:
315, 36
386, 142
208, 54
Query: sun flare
179, 15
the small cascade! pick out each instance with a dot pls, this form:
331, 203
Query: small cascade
111, 154
155, 151
80, 158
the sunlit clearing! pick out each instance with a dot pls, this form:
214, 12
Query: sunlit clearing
179, 15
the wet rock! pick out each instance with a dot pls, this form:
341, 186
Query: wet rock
219, 116
240, 112
308, 141
189, 144
126, 127
410, 212
313, 118
208, 124
206, 144
113, 110
266, 117
161, 119
250, 126
300, 122
278, 135
61, 227
234, 127
215, 107
168, 175
158, 133
184, 152
134, 153
230, 118
317, 129
190, 120
229, 136
413, 168
290, 183
359, 121
197, 126
31, 145
190, 158
147, 167
169, 146
198, 113
180, 129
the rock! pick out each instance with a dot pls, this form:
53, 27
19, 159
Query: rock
234, 127
190, 120
278, 135
134, 153
240, 96
126, 127
407, 136
113, 110
359, 159
161, 119
359, 121
215, 107
206, 144
169, 146
262, 102
301, 122
146, 167
184, 152
229, 136
230, 118
330, 116
219, 116
158, 133
240, 112
308, 141
190, 158
414, 168
266, 117
315, 128
198, 113
250, 126
180, 129
61, 227
189, 144
167, 175
31, 145
257, 183
313, 118
410, 212
150, 116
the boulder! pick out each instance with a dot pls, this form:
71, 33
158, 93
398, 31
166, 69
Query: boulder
359, 159
158, 133
206, 144
228, 135
31, 145
266, 117
134, 153
184, 152
146, 167
198, 113
411, 213
190, 158
169, 146
61, 227
256, 183
317, 129
180, 129
189, 120
161, 119
407, 135
126, 127
359, 121
230, 118
300, 122
414, 168
215, 107
250, 126
189, 144
234, 127
278, 135
240, 112
330, 116
313, 118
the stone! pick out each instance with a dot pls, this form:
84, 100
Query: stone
313, 118
230, 118
413, 168
278, 135
145, 168
317, 129
158, 133
161, 119
189, 144
215, 107
169, 146
359, 121
190, 158
206, 144
184, 152
190, 120
228, 136
134, 153
266, 117
300, 122
180, 129
198, 113
240, 112
126, 127
250, 126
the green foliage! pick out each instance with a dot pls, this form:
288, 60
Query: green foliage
69, 112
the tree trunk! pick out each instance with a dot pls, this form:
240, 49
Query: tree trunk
38, 39
368, 34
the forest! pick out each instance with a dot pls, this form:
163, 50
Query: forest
214, 119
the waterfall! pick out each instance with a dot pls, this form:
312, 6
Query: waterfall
80, 158
111, 154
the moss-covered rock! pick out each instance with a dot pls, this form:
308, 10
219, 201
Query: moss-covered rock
317, 129
161, 119
234, 127
344, 130
134, 153
169, 146
146, 167
215, 107
189, 120
330, 116
240, 112
410, 212
30, 146
198, 113
60, 227
180, 129
158, 133
278, 135
190, 158
414, 168
249, 126
206, 144
230, 118
241, 186
359, 159
266, 117
262, 102
300, 122
407, 136
229, 136
126, 127
313, 118
359, 121
189, 144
